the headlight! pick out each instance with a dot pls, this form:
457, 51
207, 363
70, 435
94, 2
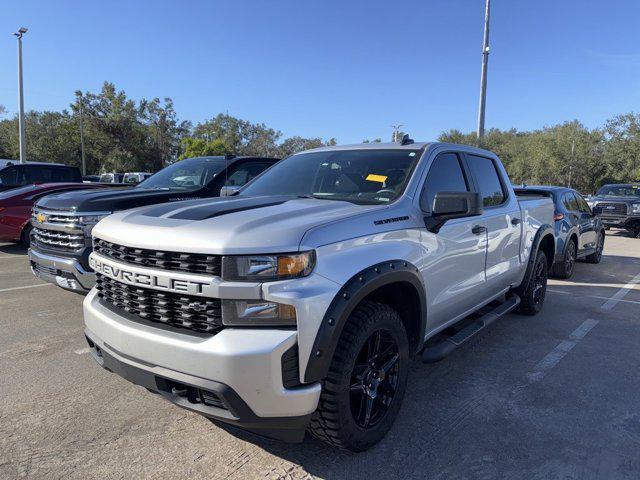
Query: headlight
267, 268
257, 313
87, 222
635, 208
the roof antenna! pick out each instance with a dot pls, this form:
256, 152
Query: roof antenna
406, 140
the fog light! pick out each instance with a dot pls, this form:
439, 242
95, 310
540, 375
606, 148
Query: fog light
257, 313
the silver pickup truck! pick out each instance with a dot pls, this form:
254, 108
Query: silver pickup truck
296, 305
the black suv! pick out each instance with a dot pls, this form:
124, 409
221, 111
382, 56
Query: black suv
579, 231
62, 223
14, 175
620, 204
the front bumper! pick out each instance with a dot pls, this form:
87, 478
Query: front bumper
67, 273
241, 367
631, 221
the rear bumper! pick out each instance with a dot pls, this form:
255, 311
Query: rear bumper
241, 368
67, 273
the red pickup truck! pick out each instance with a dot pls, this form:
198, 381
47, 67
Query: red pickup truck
16, 204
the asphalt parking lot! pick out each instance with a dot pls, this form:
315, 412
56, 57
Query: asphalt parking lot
548, 397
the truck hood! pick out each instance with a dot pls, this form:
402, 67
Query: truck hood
109, 199
227, 225
627, 200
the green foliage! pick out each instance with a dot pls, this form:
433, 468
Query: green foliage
565, 154
199, 147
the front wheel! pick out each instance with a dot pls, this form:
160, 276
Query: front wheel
362, 393
534, 288
596, 256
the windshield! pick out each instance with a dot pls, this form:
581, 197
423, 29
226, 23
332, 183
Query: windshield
189, 174
360, 176
619, 191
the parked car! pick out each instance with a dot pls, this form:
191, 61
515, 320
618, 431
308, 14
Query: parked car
91, 178
14, 175
579, 231
16, 204
297, 303
61, 239
620, 204
135, 177
112, 177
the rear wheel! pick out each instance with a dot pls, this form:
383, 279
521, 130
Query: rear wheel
362, 393
596, 256
532, 293
565, 268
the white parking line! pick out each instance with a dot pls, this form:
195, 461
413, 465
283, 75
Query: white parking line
558, 353
620, 294
82, 351
599, 297
27, 286
3, 257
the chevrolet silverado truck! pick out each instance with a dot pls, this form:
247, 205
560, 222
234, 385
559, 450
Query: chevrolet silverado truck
62, 224
619, 206
296, 305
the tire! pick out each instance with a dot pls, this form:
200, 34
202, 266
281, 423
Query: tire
341, 418
565, 268
596, 256
533, 292
25, 236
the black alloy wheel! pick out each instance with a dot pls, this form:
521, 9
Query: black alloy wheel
374, 379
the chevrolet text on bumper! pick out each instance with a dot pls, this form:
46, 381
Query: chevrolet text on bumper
296, 305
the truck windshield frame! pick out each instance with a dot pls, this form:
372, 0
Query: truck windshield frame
362, 177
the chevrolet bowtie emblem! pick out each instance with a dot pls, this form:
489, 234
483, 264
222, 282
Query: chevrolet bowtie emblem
41, 217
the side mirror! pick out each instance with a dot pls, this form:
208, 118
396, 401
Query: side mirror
596, 211
450, 205
229, 191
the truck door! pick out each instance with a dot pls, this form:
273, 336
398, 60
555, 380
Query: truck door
502, 216
454, 268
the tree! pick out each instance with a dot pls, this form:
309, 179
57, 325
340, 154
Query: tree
298, 144
241, 136
199, 147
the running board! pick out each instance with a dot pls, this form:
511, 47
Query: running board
445, 347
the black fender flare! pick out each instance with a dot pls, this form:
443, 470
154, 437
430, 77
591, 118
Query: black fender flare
542, 232
346, 300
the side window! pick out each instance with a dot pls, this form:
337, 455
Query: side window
582, 204
566, 202
62, 175
9, 177
445, 175
244, 173
485, 172
574, 206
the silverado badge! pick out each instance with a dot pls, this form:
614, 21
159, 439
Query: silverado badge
41, 217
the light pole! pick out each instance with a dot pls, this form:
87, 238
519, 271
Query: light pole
23, 143
84, 165
483, 73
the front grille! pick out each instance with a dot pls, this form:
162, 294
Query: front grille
199, 314
58, 240
612, 209
175, 261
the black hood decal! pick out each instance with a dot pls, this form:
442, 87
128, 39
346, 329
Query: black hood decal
199, 210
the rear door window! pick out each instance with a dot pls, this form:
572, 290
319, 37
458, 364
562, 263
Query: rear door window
445, 175
571, 202
486, 175
245, 172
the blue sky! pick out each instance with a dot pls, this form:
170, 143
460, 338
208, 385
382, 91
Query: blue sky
344, 69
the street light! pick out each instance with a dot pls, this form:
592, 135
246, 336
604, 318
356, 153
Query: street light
483, 73
23, 143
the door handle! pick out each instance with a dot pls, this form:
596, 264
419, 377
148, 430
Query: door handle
515, 221
478, 229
